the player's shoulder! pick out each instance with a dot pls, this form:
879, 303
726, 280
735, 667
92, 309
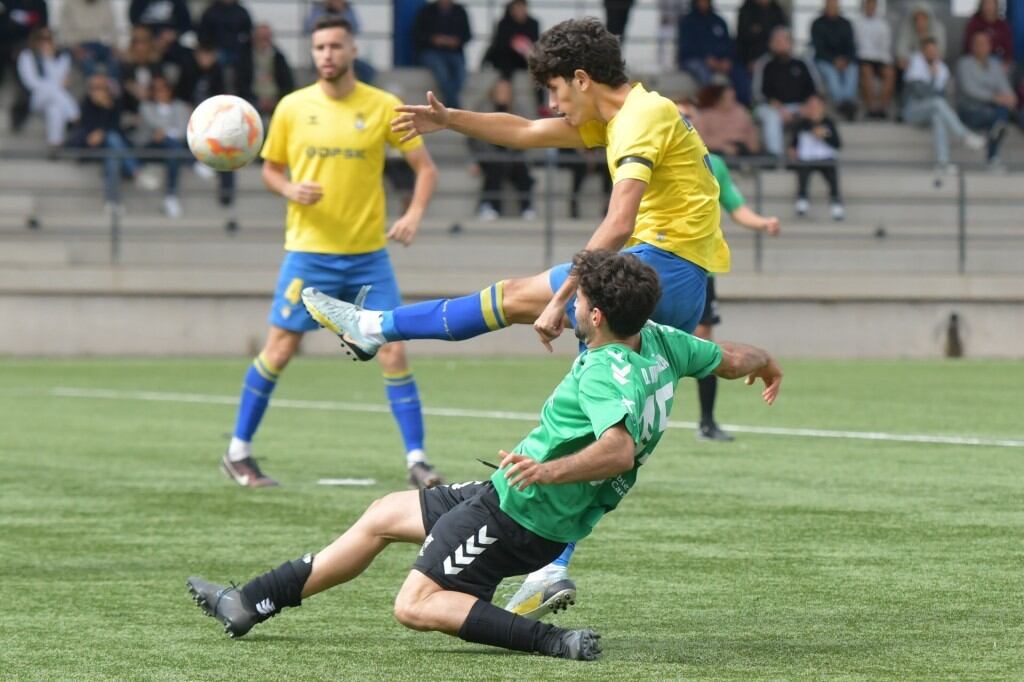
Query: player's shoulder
650, 104
378, 96
296, 98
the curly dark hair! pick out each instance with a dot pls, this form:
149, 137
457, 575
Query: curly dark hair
620, 285
578, 44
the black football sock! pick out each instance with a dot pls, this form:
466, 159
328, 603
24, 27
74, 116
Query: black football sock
279, 587
707, 389
489, 624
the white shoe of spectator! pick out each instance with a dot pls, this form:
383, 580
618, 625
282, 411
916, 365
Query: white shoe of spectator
204, 171
996, 166
528, 214
147, 180
487, 214
974, 141
838, 212
801, 207
172, 207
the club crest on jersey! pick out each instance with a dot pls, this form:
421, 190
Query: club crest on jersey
312, 120
360, 122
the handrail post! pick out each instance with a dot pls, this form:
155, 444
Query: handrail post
758, 235
549, 206
961, 220
115, 208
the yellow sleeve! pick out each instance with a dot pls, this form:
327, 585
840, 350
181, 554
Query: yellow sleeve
593, 134
639, 141
275, 147
394, 139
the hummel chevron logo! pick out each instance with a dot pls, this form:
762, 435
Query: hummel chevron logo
265, 607
620, 374
454, 564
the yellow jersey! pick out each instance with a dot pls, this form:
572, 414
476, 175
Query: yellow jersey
341, 144
649, 140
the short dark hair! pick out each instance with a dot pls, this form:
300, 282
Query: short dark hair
332, 21
930, 40
620, 285
578, 44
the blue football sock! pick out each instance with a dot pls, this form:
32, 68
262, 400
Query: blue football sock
405, 407
565, 556
256, 389
448, 319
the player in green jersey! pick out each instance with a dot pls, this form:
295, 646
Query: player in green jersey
601, 423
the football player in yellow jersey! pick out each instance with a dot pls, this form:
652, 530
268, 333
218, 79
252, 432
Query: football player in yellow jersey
663, 208
325, 153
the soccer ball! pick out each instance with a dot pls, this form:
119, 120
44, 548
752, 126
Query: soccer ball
225, 132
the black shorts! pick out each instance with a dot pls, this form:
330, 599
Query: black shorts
710, 316
876, 67
472, 545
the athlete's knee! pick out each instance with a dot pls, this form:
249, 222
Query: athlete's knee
523, 299
411, 610
280, 347
392, 357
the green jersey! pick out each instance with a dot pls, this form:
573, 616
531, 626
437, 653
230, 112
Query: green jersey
729, 195
606, 386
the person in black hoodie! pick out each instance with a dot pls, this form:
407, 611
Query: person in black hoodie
514, 37
782, 83
158, 15
440, 32
757, 19
498, 164
228, 26
814, 146
835, 55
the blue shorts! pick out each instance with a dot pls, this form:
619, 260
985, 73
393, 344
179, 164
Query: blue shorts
683, 287
338, 276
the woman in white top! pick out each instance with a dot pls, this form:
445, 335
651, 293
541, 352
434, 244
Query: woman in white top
874, 53
44, 72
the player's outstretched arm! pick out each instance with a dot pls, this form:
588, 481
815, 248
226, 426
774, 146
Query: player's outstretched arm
506, 130
752, 220
742, 360
610, 455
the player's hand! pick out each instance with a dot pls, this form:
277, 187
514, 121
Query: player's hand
420, 119
522, 471
771, 226
550, 324
771, 375
405, 228
305, 193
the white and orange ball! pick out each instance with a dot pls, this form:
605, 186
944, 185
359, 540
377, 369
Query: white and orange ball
225, 132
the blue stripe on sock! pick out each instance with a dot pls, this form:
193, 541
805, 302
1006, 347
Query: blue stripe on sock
565, 556
494, 306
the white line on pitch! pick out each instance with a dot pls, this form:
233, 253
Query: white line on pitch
206, 399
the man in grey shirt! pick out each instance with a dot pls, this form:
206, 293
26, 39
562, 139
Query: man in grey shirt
985, 99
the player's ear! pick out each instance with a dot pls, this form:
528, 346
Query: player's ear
582, 79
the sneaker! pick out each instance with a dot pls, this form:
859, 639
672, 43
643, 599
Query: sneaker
837, 210
423, 476
801, 207
147, 180
172, 207
487, 214
580, 645
342, 318
204, 171
246, 473
225, 603
528, 214
974, 141
536, 598
713, 432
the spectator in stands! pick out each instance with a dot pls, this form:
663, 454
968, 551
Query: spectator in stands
204, 80
271, 77
228, 26
616, 13
18, 19
669, 13
344, 9
163, 122
45, 72
441, 32
757, 20
498, 164
100, 128
584, 162
919, 24
987, 20
513, 39
985, 99
814, 146
705, 49
726, 125
138, 65
86, 28
835, 55
782, 83
924, 92
160, 15
874, 53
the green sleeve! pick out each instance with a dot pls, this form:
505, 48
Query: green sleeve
730, 197
689, 356
604, 397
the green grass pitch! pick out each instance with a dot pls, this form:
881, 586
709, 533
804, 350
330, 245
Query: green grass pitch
774, 557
